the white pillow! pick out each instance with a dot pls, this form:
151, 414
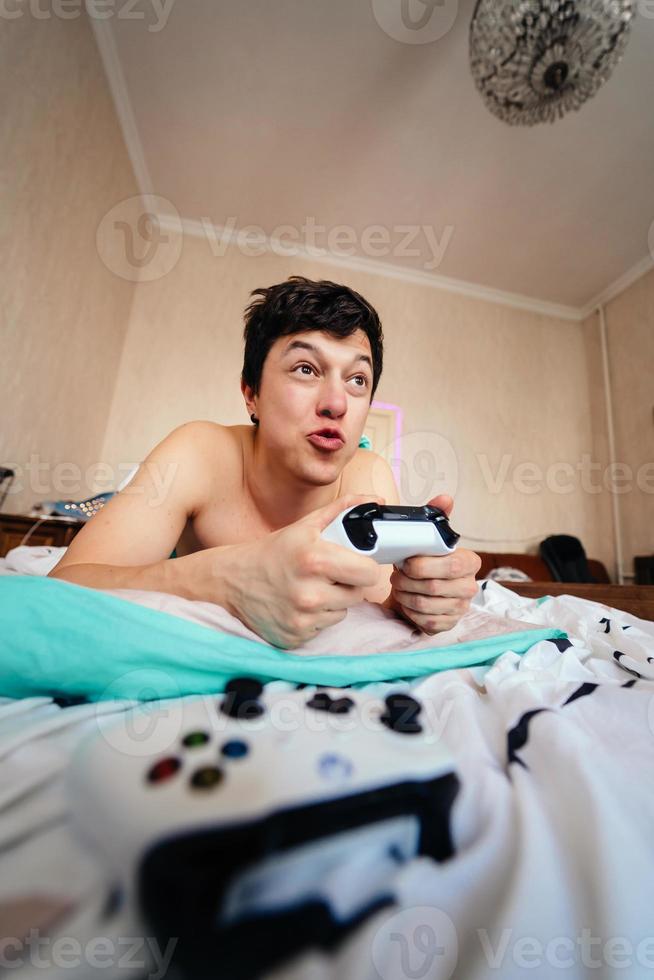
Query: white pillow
507, 574
33, 559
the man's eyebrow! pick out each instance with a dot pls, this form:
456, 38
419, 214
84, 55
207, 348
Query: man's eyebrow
304, 345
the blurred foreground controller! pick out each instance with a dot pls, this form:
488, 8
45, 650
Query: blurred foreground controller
391, 534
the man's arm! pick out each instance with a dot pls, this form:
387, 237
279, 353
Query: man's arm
128, 542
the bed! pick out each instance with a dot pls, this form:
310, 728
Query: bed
544, 705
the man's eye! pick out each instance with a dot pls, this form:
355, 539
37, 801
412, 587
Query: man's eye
302, 366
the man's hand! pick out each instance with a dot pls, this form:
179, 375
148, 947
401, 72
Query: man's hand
435, 592
292, 583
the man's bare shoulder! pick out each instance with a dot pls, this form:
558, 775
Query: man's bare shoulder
208, 449
201, 430
205, 435
368, 472
362, 460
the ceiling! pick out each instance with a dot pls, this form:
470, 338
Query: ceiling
278, 113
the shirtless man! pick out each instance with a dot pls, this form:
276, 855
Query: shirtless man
246, 505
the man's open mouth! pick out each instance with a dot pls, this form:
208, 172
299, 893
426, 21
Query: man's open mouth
327, 438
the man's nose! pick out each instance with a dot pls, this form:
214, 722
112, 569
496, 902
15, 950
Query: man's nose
333, 401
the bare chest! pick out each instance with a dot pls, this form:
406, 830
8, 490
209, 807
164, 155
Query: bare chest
231, 522
231, 517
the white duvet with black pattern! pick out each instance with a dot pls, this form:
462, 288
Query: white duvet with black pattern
553, 870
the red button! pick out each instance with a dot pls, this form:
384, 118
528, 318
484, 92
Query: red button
164, 769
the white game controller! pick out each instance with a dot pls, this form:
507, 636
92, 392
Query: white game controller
391, 534
252, 826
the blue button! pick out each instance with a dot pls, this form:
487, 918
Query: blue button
235, 749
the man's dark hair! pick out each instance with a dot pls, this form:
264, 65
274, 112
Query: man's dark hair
302, 304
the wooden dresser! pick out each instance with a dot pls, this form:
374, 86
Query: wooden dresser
55, 531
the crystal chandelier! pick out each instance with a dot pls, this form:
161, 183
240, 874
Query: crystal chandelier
534, 60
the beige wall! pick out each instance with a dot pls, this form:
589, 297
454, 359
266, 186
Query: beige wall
64, 315
499, 405
484, 389
630, 343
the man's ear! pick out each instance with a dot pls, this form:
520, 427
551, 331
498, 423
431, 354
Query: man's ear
248, 394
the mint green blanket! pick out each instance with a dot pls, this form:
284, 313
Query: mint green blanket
57, 638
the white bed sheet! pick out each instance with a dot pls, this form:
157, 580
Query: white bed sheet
553, 827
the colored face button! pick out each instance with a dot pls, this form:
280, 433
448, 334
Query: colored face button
194, 739
207, 777
164, 769
235, 749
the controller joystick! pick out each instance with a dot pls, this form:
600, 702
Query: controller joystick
401, 714
242, 698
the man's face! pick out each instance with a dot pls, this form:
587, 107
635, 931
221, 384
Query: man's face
312, 382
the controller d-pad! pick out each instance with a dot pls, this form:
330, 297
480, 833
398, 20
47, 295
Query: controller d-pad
207, 777
401, 714
242, 698
341, 706
321, 701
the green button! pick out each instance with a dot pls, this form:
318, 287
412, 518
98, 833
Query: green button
194, 739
